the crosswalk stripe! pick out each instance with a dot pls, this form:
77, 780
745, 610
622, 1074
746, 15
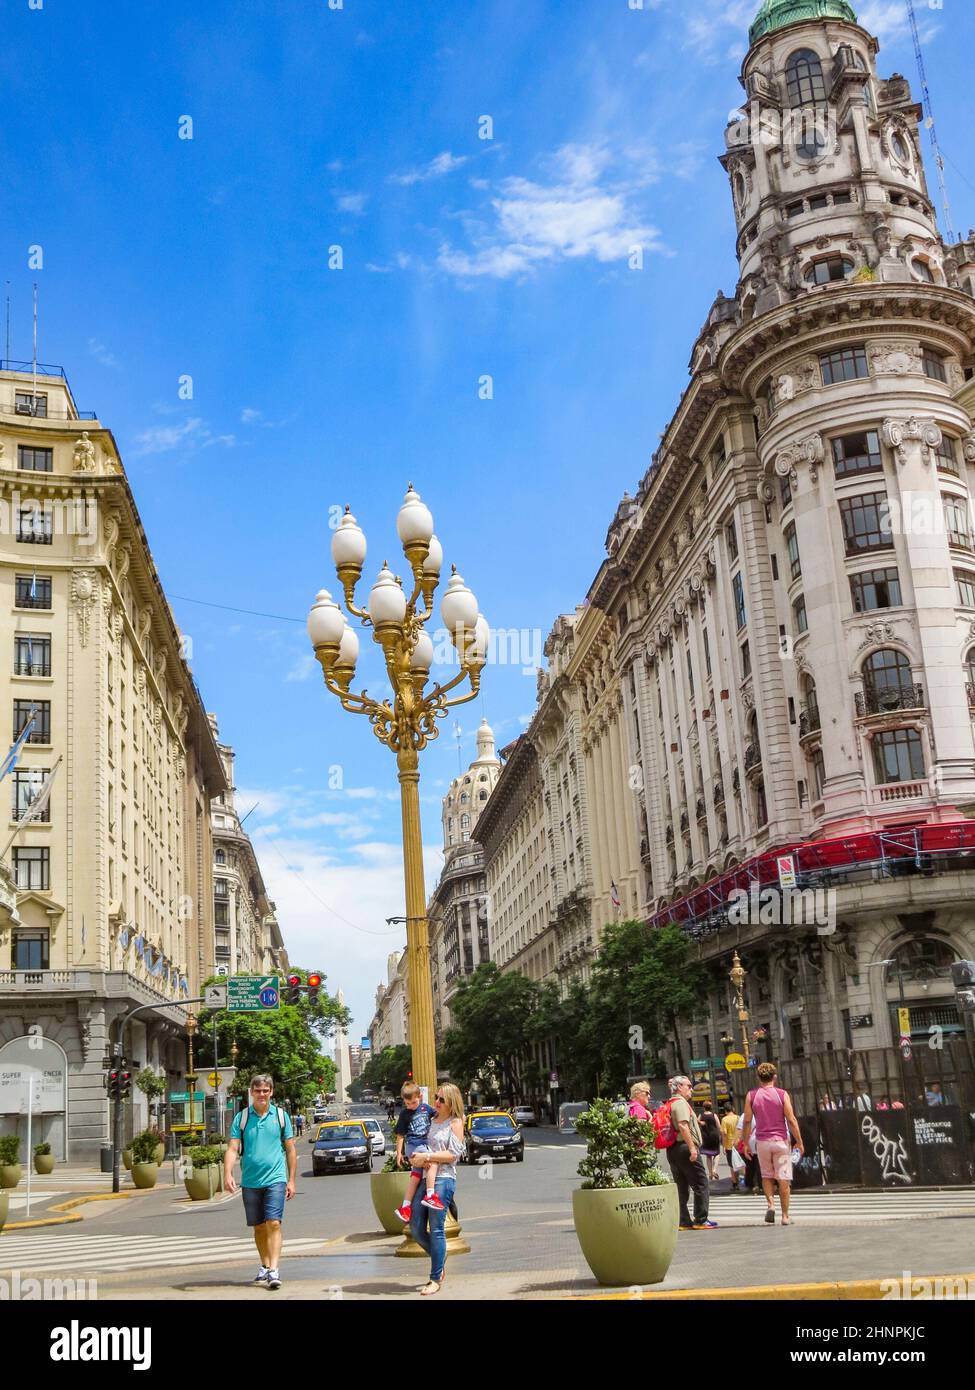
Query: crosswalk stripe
101, 1254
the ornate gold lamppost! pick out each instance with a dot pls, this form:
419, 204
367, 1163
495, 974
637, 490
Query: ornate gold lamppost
191, 1027
737, 975
406, 724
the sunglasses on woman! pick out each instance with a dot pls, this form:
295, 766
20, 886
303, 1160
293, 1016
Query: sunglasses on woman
439, 1100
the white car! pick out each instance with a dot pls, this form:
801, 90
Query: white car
377, 1135
524, 1115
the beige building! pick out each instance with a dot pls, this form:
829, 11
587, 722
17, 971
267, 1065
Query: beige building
246, 935
114, 881
458, 909
390, 1022
791, 592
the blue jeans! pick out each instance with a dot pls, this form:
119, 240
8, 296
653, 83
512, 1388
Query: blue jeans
433, 1241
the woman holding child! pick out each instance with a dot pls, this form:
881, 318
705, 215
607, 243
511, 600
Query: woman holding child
444, 1145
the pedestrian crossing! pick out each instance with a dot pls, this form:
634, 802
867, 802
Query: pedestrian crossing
106, 1254
840, 1208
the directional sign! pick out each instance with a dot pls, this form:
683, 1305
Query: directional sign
252, 994
215, 996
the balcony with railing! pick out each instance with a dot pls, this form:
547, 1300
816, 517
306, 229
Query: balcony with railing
891, 699
753, 757
32, 668
810, 721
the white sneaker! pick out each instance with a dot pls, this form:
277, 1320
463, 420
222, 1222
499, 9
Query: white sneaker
261, 1276
273, 1279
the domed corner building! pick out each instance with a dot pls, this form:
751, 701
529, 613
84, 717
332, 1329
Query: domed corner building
457, 910
793, 595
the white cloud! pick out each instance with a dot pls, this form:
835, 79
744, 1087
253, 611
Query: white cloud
190, 436
442, 164
248, 415
303, 668
584, 211
101, 353
351, 202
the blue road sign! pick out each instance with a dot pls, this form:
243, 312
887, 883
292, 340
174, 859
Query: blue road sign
269, 998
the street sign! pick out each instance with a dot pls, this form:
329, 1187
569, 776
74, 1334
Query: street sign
215, 996
182, 1097
213, 1080
216, 1081
252, 994
553, 1080
904, 1024
734, 1062
786, 864
699, 1064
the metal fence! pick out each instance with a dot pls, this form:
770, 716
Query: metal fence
879, 1120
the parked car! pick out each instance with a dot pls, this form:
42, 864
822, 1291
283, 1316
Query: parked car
377, 1135
523, 1115
493, 1134
341, 1146
569, 1113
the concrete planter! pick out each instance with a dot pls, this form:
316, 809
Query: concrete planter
127, 1160
44, 1163
204, 1183
10, 1175
388, 1191
145, 1174
627, 1234
160, 1153
4, 1208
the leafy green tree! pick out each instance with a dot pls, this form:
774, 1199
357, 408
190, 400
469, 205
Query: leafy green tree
387, 1071
491, 1013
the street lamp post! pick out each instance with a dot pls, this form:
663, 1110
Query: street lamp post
407, 723
737, 975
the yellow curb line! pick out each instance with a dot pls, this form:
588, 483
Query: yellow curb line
92, 1197
67, 1207
41, 1221
841, 1290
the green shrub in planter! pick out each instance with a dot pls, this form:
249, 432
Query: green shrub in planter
43, 1159
626, 1210
204, 1181
145, 1169
10, 1169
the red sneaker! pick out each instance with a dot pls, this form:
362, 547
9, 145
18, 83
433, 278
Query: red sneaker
405, 1212
432, 1201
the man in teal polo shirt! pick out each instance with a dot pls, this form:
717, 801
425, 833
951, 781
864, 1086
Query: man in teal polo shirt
263, 1131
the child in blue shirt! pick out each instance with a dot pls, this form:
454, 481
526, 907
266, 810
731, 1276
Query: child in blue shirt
411, 1131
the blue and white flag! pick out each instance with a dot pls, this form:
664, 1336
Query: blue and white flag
123, 938
140, 943
10, 761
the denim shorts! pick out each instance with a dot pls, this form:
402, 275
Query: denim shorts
264, 1203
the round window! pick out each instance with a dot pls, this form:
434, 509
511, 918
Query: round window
899, 148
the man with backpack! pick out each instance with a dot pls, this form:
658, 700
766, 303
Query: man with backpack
678, 1131
262, 1136
774, 1117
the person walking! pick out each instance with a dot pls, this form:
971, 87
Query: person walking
684, 1157
639, 1101
444, 1145
710, 1139
729, 1121
261, 1136
774, 1118
299, 1124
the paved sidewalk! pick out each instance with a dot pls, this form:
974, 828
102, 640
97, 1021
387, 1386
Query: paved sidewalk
365, 1266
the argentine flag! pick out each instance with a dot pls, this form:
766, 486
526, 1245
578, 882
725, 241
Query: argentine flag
10, 761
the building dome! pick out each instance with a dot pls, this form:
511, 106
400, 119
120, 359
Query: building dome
776, 14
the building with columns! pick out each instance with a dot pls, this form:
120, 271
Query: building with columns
114, 880
246, 935
390, 1022
789, 597
457, 911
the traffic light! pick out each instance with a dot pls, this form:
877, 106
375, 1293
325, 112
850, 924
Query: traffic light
113, 1082
314, 985
963, 978
294, 989
124, 1083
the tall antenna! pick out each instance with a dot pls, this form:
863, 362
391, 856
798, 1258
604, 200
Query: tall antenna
929, 122
8, 322
33, 398
458, 735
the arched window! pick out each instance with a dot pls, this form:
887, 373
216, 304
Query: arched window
807, 97
887, 681
970, 674
465, 822
220, 857
809, 719
921, 959
804, 78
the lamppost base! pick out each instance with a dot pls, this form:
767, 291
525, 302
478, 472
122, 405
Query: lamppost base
456, 1245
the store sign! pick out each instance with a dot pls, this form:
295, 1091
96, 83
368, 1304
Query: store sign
786, 865
36, 1067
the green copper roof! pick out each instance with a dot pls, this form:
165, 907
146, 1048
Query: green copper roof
776, 14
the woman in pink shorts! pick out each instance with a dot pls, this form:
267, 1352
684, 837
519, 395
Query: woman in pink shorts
774, 1118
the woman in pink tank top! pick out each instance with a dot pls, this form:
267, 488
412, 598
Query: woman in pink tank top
774, 1117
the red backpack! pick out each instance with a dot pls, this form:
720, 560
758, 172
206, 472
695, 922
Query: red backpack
664, 1133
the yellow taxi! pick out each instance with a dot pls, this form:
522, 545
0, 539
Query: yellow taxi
341, 1146
493, 1134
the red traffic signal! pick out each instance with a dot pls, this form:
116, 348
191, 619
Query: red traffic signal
294, 989
314, 985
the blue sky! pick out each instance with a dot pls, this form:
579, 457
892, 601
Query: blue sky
462, 258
